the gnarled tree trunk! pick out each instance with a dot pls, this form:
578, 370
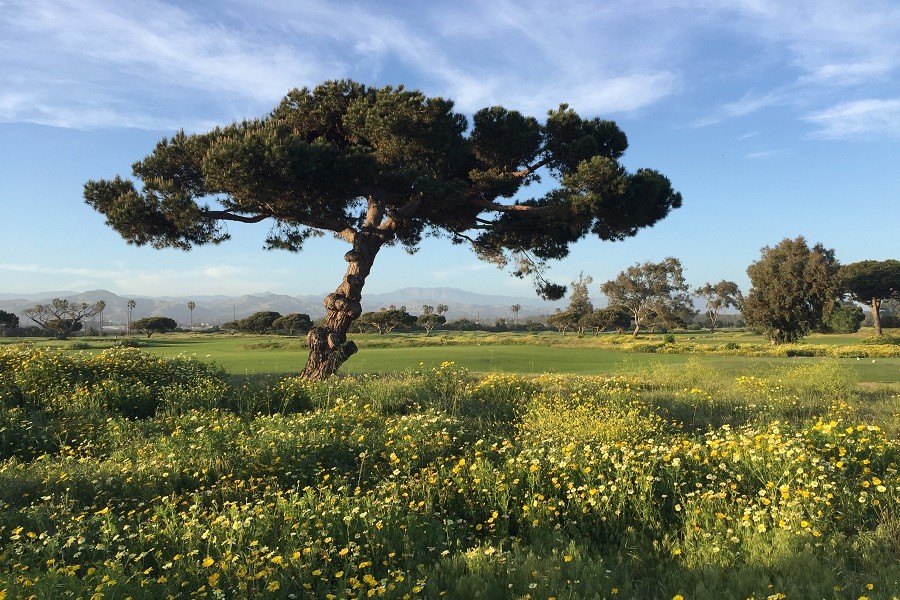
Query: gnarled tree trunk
329, 347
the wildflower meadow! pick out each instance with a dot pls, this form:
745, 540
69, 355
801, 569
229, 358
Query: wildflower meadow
128, 475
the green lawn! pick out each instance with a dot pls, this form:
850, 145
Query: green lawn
484, 353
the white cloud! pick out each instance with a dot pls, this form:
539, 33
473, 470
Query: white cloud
763, 154
158, 64
860, 118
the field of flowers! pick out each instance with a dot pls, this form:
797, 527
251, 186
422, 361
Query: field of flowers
124, 475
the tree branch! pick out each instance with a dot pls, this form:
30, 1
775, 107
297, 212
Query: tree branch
342, 228
508, 208
225, 215
528, 170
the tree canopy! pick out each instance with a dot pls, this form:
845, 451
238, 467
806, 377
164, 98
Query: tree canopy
259, 322
718, 297
793, 289
651, 292
386, 320
151, 325
61, 317
871, 282
387, 166
8, 321
293, 324
429, 319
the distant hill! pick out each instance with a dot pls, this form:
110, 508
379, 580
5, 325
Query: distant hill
215, 310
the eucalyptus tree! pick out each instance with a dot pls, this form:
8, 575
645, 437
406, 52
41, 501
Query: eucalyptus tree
718, 297
650, 292
380, 167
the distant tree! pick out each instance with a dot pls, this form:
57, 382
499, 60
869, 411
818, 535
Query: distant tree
386, 166
846, 318
8, 321
719, 297
464, 324
515, 308
579, 296
429, 319
102, 306
60, 317
889, 312
151, 325
191, 306
871, 282
387, 319
130, 304
259, 322
535, 325
650, 292
564, 320
792, 290
293, 324
605, 318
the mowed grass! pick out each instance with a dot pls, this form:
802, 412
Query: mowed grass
490, 353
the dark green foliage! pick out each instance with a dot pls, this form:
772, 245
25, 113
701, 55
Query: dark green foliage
259, 322
793, 290
152, 325
385, 166
846, 318
307, 164
610, 317
563, 320
429, 319
293, 324
7, 321
872, 282
386, 320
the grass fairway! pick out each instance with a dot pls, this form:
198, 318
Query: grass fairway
482, 353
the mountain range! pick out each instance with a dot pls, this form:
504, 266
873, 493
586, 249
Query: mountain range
215, 310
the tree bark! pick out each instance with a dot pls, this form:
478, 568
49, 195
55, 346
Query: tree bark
876, 318
329, 347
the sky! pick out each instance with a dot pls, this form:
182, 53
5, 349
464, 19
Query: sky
773, 119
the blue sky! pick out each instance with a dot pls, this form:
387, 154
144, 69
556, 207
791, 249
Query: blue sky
772, 118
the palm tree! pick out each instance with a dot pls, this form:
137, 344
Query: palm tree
131, 305
191, 306
101, 305
515, 308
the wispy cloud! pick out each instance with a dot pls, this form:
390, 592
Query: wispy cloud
137, 63
860, 118
763, 154
157, 64
747, 105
